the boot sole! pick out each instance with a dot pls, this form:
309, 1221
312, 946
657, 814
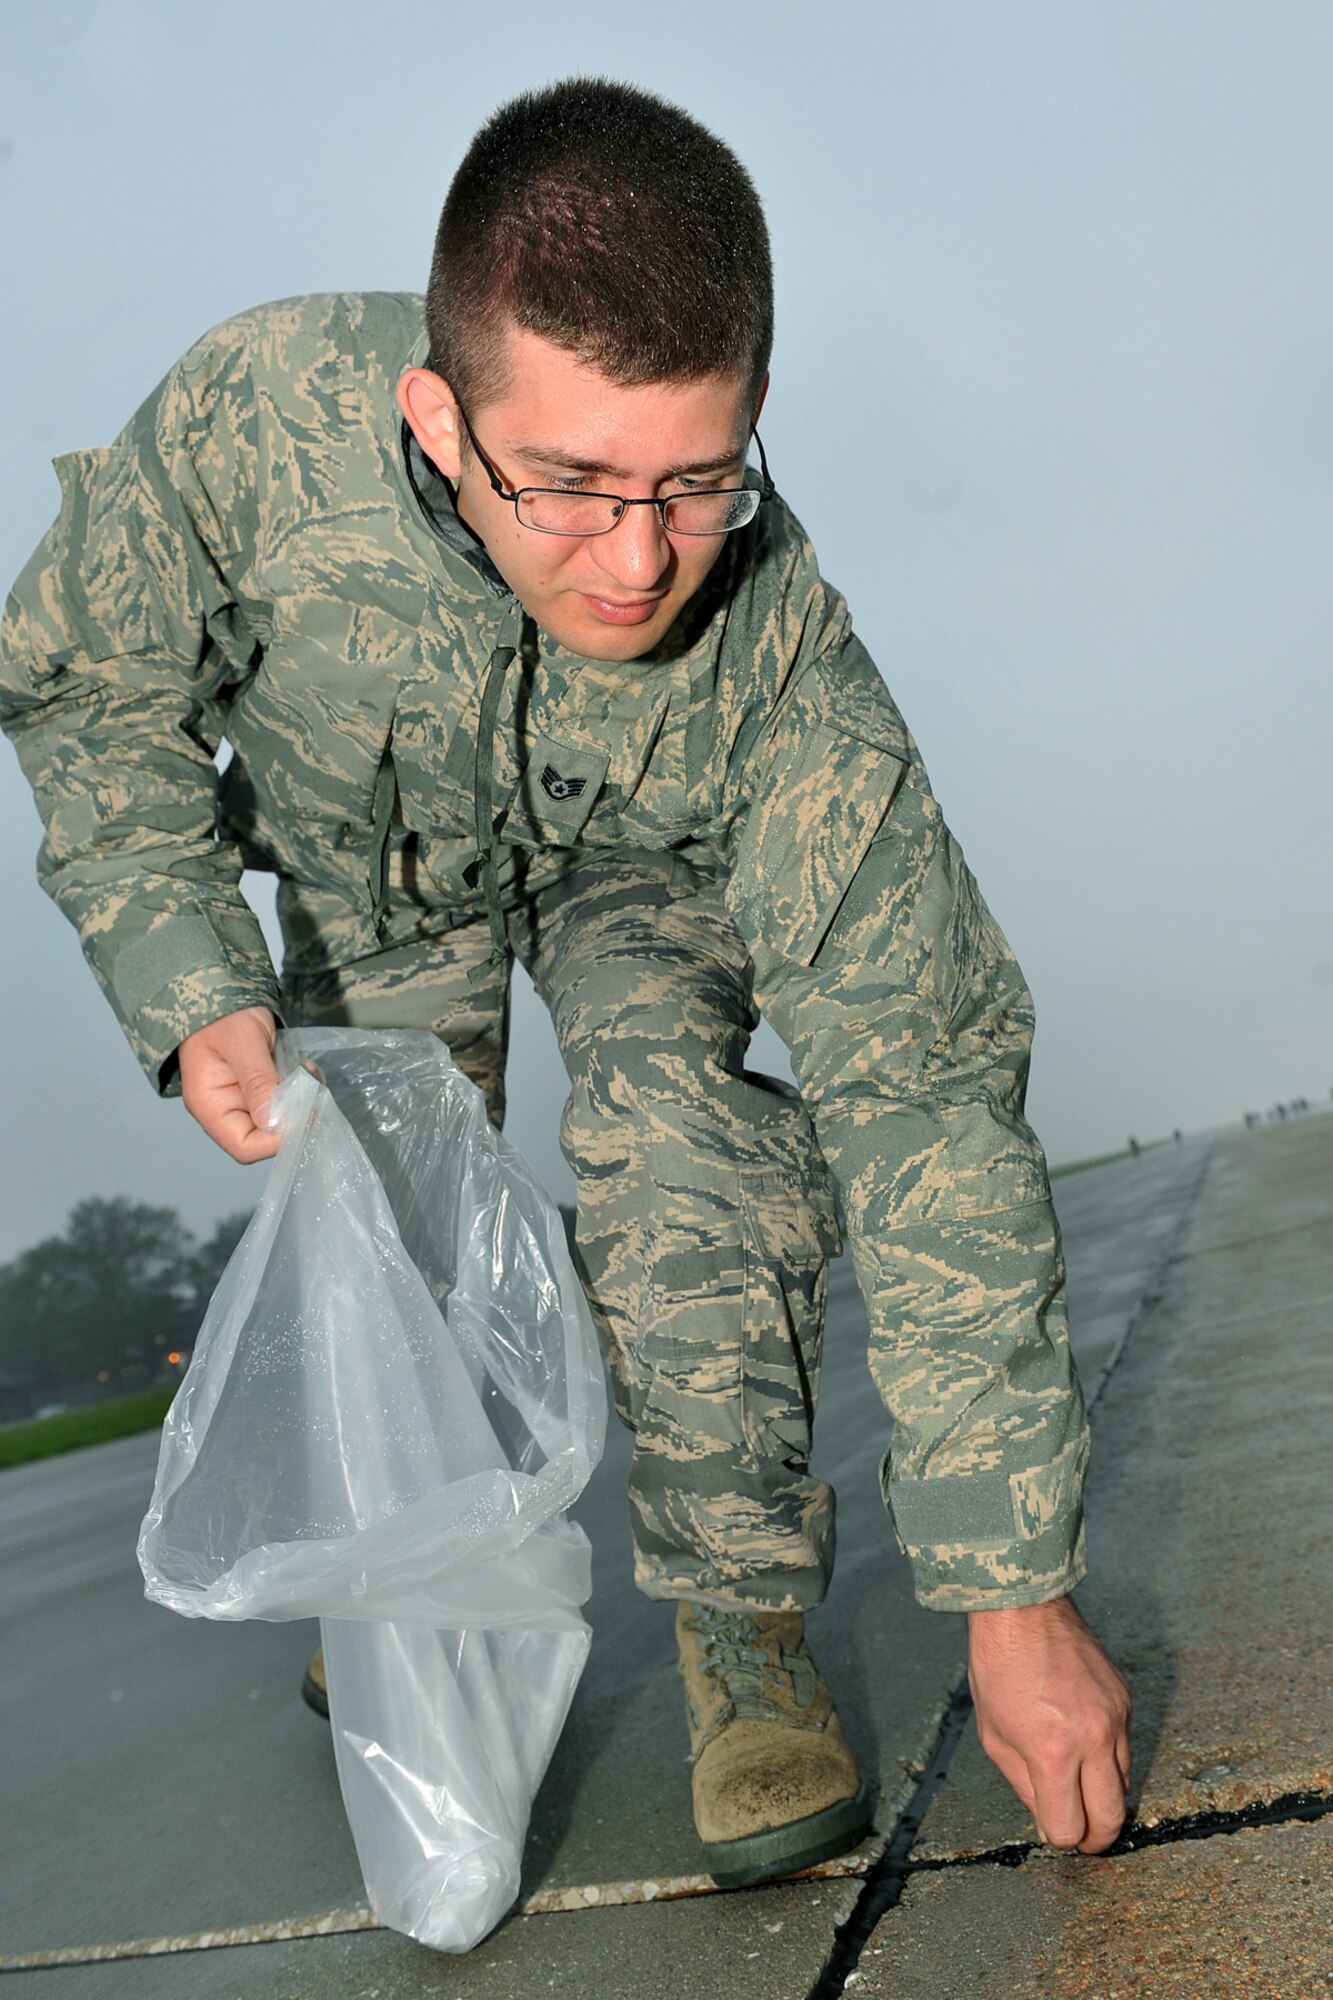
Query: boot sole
785, 1850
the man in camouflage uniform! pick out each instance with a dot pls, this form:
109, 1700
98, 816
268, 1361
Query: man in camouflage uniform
516, 658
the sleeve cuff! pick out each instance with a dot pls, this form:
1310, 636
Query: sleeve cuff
991, 1540
184, 972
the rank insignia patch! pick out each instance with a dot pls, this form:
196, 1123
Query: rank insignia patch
556, 787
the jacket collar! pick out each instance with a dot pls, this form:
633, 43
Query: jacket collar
435, 504
431, 497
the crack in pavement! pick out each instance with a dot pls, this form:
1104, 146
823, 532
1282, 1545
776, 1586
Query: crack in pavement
887, 1880
1141, 1834
885, 1884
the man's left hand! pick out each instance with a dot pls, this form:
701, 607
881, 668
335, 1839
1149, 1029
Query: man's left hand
1053, 1716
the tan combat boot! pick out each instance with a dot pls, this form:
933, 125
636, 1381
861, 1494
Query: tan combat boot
315, 1688
775, 1783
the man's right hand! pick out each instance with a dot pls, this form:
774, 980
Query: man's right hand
227, 1079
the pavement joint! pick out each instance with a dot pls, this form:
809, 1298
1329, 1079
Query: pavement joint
855, 1866
886, 1881
885, 1884
674, 1888
542, 1903
1291, 1808
1152, 1292
333, 1923
884, 1887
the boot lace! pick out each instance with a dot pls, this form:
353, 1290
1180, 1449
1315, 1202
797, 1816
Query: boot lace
735, 1655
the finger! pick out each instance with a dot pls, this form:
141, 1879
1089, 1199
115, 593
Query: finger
226, 1118
258, 1081
238, 1135
1058, 1811
1103, 1803
259, 1146
1012, 1767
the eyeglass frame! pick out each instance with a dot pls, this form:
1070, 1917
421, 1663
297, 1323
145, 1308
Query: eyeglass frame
766, 492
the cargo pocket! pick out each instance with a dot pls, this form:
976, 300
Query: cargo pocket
995, 1159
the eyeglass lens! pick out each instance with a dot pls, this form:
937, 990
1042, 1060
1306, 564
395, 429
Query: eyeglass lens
555, 513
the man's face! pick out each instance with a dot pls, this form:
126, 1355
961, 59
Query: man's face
561, 423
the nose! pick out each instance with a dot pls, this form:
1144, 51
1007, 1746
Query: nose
637, 552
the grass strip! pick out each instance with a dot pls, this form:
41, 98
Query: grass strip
1104, 1159
122, 1416
1083, 1166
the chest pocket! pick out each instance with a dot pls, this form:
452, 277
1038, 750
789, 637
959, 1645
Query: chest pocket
825, 787
559, 787
611, 772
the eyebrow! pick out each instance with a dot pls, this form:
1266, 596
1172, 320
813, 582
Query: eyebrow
567, 461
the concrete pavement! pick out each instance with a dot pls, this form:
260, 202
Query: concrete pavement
1239, 1917
164, 1780
1212, 1583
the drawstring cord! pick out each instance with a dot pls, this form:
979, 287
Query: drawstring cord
483, 789
381, 816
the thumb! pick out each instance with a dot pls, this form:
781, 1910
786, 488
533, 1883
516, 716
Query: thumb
258, 1079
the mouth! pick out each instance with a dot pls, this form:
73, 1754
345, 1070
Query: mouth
632, 611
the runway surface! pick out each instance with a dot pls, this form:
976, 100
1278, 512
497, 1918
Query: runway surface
163, 1781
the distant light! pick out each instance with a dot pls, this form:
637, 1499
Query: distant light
174, 1357
105, 1375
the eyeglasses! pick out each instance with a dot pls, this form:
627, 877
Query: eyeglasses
551, 511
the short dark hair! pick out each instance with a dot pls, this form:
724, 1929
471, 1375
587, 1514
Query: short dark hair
614, 225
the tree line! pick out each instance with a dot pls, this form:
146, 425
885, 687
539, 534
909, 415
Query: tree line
109, 1306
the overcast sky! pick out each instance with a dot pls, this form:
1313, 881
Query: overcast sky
1053, 391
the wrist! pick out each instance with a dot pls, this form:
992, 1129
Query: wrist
1018, 1625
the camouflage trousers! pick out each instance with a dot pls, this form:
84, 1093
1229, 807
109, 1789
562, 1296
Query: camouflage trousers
705, 1210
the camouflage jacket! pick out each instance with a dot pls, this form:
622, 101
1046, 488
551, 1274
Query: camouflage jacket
251, 561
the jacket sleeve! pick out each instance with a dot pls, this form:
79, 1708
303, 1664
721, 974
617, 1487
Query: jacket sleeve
909, 1026
121, 644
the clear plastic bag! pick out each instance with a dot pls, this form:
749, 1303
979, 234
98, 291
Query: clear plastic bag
395, 1395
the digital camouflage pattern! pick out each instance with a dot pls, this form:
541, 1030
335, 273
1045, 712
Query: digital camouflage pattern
741, 812
706, 1212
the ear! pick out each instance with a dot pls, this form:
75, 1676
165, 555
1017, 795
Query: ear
427, 402
763, 392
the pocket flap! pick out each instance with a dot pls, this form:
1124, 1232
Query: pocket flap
557, 791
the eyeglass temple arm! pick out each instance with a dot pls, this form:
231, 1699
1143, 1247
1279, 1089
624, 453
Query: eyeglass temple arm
769, 488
